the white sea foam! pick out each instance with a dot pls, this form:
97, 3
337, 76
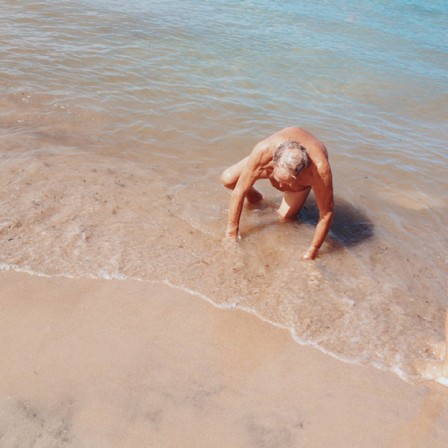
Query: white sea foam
226, 306
303, 342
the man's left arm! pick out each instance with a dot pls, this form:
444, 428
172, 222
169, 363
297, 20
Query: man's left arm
323, 192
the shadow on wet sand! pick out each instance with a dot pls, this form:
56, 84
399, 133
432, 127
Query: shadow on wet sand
350, 227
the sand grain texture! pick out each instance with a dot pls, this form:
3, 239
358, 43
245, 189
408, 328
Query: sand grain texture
93, 363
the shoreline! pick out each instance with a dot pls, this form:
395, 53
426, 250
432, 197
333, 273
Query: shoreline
123, 362
397, 371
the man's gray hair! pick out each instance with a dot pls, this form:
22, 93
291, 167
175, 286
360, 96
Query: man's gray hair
292, 156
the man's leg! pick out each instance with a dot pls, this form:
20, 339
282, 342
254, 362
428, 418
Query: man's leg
230, 177
292, 202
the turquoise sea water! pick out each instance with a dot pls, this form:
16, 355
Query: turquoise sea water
117, 118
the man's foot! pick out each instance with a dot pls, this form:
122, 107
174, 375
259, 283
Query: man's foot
254, 196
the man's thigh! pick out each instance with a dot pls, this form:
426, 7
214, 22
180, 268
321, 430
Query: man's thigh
231, 175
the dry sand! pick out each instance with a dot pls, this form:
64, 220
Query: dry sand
98, 364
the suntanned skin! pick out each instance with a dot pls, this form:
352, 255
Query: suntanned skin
242, 176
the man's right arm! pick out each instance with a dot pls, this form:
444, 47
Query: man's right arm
244, 184
249, 175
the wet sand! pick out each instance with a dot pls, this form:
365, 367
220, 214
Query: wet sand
96, 363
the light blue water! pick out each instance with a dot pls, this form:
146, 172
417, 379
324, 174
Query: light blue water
117, 118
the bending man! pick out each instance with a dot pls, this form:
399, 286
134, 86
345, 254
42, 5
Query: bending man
295, 162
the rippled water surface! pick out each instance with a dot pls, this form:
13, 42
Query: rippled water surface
117, 118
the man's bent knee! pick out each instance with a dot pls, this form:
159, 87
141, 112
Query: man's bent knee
285, 212
227, 179
292, 203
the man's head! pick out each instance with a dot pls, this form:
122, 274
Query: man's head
290, 159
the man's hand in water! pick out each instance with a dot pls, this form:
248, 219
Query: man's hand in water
232, 233
311, 253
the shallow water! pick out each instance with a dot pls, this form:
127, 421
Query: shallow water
117, 119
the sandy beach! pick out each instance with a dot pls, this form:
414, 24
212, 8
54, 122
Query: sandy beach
96, 363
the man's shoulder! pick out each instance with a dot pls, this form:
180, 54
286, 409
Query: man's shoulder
318, 153
264, 150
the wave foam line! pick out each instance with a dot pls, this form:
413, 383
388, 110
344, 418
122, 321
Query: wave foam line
103, 275
25, 270
304, 342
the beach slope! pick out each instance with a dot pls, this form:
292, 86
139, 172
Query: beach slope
121, 363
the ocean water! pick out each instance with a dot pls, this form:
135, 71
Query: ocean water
117, 119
